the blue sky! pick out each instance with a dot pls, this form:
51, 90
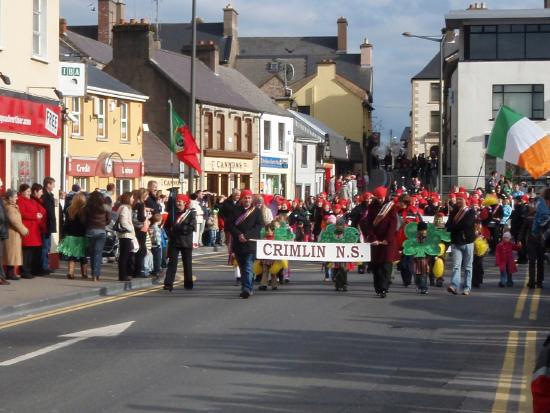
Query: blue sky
396, 58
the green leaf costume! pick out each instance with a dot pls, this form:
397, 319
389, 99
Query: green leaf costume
351, 235
430, 246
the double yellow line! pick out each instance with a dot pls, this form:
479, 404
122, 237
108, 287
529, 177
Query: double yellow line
522, 300
508, 377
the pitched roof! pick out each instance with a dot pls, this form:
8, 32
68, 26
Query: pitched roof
102, 80
209, 86
240, 84
90, 48
156, 155
431, 71
287, 46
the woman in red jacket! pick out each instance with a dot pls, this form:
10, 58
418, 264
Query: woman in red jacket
33, 215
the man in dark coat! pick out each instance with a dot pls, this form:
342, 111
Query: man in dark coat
180, 226
152, 202
380, 226
48, 202
461, 226
244, 229
517, 222
229, 212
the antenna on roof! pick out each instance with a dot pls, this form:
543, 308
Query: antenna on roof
157, 19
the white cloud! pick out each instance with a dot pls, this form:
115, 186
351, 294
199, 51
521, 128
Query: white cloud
396, 59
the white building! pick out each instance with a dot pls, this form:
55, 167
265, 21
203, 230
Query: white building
309, 153
503, 58
424, 138
276, 154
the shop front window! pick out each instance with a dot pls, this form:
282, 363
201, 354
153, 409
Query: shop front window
82, 182
124, 185
28, 164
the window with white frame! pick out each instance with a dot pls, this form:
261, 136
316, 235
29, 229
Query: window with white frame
100, 113
76, 112
39, 27
267, 135
281, 137
82, 182
124, 122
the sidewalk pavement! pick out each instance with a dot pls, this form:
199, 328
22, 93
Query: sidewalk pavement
26, 296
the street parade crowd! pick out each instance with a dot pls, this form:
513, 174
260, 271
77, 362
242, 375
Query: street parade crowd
411, 232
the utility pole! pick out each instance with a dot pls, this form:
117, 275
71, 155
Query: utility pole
192, 109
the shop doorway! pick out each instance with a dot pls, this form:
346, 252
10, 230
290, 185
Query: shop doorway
124, 185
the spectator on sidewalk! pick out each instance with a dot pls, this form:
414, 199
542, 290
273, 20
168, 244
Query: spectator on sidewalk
13, 254
141, 225
33, 214
3, 238
536, 240
97, 218
110, 193
126, 236
48, 202
152, 201
74, 246
155, 235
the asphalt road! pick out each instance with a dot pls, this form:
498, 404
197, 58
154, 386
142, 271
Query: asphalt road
302, 348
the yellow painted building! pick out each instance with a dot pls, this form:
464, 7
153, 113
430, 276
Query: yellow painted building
104, 135
335, 101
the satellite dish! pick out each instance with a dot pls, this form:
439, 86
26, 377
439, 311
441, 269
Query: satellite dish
289, 72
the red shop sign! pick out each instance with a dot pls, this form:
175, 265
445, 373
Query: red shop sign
128, 169
32, 118
91, 167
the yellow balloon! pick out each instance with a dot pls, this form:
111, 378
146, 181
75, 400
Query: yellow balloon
439, 268
442, 249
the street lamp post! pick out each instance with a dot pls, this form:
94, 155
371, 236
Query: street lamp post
192, 109
441, 40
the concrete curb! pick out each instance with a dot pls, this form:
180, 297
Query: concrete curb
115, 288
103, 291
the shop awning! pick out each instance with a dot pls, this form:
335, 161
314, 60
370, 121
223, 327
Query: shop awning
305, 131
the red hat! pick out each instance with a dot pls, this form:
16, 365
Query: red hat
462, 195
323, 195
344, 202
246, 192
380, 192
367, 196
525, 198
337, 208
399, 191
184, 198
461, 189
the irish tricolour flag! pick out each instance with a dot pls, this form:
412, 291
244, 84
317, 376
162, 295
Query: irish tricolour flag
520, 141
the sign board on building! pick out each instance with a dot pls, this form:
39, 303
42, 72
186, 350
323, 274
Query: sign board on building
312, 251
29, 117
92, 167
228, 165
72, 79
272, 162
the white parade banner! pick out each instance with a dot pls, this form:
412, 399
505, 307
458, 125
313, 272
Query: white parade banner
312, 251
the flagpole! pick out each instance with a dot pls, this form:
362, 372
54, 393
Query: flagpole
192, 108
171, 142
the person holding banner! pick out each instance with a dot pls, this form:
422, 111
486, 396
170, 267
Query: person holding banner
245, 229
180, 227
381, 227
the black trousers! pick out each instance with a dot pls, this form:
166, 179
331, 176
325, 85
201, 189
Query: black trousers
139, 257
406, 267
124, 258
535, 253
31, 260
187, 257
381, 276
477, 271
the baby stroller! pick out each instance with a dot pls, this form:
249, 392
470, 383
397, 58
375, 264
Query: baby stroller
110, 249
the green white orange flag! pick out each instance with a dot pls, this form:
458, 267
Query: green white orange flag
520, 141
183, 144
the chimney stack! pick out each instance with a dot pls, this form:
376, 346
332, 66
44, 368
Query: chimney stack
342, 35
133, 41
209, 54
366, 53
230, 21
62, 27
108, 13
